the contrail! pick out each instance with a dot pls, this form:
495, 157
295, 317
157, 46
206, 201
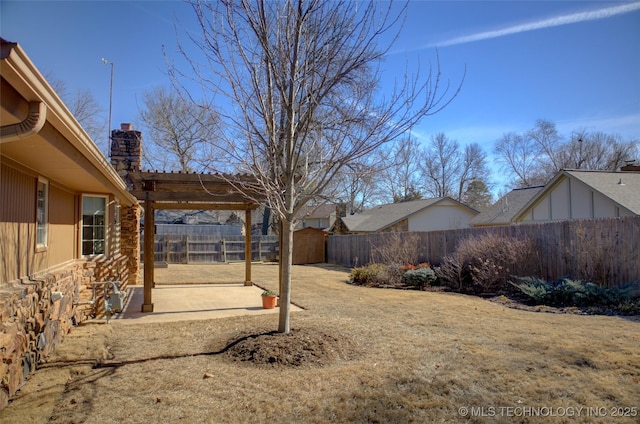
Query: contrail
545, 23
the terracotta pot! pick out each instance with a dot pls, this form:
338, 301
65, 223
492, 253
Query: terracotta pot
269, 302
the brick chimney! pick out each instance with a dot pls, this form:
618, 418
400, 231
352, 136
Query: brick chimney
126, 151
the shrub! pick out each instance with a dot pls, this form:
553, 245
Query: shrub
567, 292
482, 264
535, 289
419, 278
376, 275
368, 275
397, 249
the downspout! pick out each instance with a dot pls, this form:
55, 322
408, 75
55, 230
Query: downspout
30, 126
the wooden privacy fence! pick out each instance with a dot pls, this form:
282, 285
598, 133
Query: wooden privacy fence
609, 248
192, 249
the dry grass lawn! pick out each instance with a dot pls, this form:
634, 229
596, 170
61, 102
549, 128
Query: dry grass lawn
416, 357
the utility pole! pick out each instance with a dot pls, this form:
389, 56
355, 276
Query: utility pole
106, 62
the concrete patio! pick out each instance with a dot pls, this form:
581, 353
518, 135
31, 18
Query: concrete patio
196, 292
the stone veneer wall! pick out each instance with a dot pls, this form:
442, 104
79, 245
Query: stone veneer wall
32, 324
130, 240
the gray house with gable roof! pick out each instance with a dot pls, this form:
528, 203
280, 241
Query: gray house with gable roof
443, 213
571, 194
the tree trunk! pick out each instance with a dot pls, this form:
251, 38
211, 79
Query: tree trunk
286, 258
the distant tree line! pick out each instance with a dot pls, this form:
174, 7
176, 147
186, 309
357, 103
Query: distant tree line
535, 156
180, 134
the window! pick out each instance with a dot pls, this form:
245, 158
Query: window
42, 212
94, 225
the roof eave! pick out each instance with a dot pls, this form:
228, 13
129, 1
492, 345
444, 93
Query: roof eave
20, 71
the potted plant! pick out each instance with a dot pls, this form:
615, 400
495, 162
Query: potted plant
268, 299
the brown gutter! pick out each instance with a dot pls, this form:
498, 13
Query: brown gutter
30, 126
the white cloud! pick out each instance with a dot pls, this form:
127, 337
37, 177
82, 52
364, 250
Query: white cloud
540, 24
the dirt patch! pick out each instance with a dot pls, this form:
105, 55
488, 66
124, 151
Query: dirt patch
300, 347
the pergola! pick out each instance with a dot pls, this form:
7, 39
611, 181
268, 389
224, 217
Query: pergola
187, 191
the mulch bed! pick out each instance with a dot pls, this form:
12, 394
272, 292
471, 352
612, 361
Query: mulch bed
515, 303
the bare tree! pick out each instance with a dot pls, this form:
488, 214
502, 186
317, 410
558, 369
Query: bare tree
399, 178
545, 137
597, 150
441, 160
180, 133
355, 185
301, 78
448, 170
536, 156
518, 156
85, 108
473, 168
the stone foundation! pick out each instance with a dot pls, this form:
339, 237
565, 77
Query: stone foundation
34, 318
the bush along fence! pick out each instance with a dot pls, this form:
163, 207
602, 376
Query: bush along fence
194, 249
606, 251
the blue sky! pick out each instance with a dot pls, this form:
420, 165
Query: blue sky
576, 63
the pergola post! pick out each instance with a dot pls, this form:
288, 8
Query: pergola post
247, 248
149, 253
186, 191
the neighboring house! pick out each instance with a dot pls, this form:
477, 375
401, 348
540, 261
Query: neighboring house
321, 217
205, 217
436, 214
571, 194
204, 222
506, 208
62, 207
576, 194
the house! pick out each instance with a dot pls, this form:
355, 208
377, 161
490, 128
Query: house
504, 210
442, 213
579, 194
571, 194
321, 217
66, 220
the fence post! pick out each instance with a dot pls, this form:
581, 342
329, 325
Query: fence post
168, 248
186, 248
224, 251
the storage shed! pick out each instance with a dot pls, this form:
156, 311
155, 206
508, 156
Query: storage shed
309, 246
